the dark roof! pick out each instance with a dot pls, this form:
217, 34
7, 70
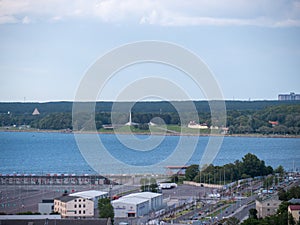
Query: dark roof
57, 222
294, 207
66, 198
295, 201
47, 200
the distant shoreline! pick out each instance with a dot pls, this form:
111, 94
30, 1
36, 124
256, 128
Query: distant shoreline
148, 133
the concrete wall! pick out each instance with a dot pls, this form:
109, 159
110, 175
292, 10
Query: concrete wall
156, 202
216, 186
46, 208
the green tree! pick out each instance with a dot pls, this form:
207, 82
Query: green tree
282, 195
191, 172
106, 210
250, 221
293, 192
253, 213
251, 165
291, 219
279, 170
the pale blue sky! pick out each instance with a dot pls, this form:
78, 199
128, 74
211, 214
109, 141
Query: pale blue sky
252, 47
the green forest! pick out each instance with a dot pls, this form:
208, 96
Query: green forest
257, 117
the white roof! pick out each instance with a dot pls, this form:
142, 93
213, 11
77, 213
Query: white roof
89, 194
29, 217
147, 195
131, 200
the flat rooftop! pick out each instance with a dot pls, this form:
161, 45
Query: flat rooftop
89, 194
131, 200
147, 195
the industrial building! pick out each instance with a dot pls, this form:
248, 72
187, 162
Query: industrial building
130, 207
137, 204
155, 199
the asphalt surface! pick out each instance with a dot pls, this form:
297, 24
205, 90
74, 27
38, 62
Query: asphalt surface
23, 198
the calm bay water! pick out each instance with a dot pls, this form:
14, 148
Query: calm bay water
40, 153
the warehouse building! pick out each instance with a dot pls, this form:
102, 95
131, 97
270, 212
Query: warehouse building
155, 199
130, 207
137, 204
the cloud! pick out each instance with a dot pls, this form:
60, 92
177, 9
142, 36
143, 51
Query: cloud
26, 20
269, 13
8, 19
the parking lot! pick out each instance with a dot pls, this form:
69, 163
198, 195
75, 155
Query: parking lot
23, 198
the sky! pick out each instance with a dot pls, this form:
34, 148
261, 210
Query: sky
252, 48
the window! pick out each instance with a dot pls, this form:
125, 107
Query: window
131, 214
75, 206
83, 211
83, 200
75, 200
83, 205
79, 206
79, 212
268, 204
75, 212
79, 200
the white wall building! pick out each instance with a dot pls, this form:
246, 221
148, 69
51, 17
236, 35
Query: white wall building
73, 206
130, 207
155, 199
93, 195
267, 206
137, 204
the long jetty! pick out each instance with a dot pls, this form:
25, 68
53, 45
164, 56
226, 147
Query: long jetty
53, 179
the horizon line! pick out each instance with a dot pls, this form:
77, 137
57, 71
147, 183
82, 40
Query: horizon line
124, 101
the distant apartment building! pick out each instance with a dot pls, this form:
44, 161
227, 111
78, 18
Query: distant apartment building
74, 207
288, 97
294, 210
267, 205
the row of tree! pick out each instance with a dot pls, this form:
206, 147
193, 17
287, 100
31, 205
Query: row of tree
140, 107
283, 119
250, 166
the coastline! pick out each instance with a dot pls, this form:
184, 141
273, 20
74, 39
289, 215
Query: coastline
149, 133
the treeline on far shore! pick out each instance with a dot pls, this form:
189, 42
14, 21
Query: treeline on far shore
282, 119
